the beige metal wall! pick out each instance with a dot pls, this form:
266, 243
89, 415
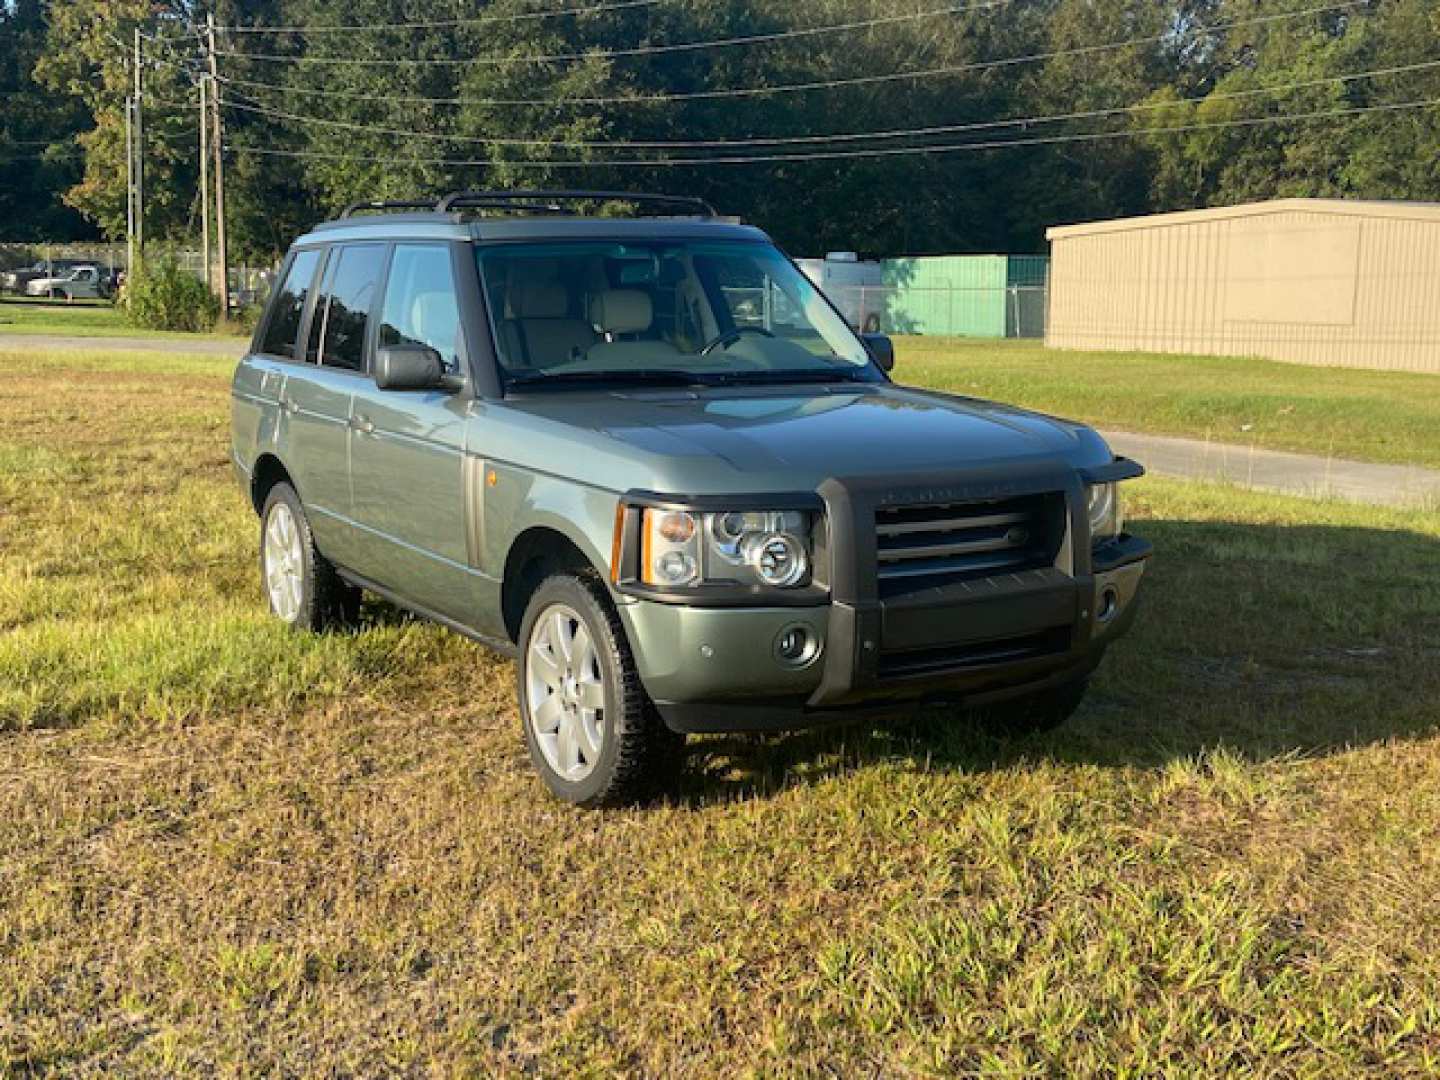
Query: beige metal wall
1349, 284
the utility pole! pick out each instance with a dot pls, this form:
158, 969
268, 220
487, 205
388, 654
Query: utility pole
217, 147
129, 192
139, 131
205, 185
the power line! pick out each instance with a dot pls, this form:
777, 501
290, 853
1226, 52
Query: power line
786, 88
611, 54
446, 24
945, 129
835, 155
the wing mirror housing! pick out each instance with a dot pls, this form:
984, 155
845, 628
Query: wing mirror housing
411, 367
882, 350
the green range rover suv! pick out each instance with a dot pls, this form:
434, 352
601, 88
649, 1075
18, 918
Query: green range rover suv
643, 454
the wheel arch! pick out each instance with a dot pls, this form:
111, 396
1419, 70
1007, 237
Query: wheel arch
535, 554
269, 470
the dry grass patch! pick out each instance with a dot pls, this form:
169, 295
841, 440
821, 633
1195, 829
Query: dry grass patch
231, 849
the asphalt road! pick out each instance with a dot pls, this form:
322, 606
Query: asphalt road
207, 346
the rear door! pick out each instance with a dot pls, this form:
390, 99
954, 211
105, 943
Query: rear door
321, 381
408, 447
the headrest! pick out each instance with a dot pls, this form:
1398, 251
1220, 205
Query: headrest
621, 311
539, 300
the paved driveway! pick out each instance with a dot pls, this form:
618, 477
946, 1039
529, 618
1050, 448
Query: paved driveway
205, 345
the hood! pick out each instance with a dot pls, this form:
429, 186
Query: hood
759, 438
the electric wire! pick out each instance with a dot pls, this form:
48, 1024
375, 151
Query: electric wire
881, 152
252, 106
636, 50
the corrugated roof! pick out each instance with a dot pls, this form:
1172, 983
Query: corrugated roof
1373, 208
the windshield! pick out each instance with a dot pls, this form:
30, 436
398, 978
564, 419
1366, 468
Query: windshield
663, 311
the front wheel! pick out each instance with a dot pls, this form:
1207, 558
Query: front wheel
303, 588
593, 734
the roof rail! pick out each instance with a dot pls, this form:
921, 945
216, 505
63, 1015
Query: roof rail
551, 202
394, 204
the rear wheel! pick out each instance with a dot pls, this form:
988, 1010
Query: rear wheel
1035, 713
593, 734
303, 588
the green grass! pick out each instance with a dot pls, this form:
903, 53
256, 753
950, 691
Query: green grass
83, 318
226, 848
1365, 415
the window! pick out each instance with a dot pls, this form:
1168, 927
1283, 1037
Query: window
351, 276
725, 310
289, 306
420, 303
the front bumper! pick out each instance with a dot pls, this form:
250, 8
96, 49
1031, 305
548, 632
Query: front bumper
971, 642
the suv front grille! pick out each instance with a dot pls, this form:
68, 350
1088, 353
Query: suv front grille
921, 546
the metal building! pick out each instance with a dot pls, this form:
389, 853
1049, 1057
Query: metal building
1313, 281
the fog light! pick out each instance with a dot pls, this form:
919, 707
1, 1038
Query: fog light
796, 645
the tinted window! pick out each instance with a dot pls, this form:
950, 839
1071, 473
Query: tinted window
420, 303
289, 306
351, 278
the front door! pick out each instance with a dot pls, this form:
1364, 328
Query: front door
408, 447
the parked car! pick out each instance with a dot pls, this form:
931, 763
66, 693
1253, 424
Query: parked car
82, 283
586, 442
16, 280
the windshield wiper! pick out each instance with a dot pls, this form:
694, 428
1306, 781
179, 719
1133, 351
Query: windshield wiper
644, 376
804, 375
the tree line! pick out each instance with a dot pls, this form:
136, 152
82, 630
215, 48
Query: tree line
1132, 105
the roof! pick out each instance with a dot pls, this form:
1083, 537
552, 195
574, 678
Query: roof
438, 226
1371, 208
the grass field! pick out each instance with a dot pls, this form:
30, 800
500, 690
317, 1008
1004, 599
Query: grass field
83, 318
227, 848
1366, 415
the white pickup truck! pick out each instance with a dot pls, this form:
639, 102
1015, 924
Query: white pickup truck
83, 282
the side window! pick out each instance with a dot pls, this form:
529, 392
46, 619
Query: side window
352, 275
421, 307
289, 306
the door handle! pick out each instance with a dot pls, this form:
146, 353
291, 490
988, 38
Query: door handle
363, 425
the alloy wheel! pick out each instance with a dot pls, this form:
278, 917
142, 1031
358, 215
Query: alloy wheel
565, 692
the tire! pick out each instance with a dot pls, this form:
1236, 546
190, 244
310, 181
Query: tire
302, 587
56, 294
1037, 713
617, 746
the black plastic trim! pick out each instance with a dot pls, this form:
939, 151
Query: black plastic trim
500, 645
1119, 469
1124, 550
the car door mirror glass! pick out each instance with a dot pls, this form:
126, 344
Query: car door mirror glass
409, 367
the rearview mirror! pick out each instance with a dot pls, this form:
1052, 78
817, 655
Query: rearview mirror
409, 367
882, 350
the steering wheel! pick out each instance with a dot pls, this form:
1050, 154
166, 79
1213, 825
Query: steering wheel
731, 336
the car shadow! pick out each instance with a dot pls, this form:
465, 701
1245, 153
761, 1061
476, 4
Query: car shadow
1266, 640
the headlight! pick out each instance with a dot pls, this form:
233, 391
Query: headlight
1104, 510
680, 548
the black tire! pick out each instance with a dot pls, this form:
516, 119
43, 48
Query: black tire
1036, 713
326, 601
635, 746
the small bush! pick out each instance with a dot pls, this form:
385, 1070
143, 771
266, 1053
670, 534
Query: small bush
162, 296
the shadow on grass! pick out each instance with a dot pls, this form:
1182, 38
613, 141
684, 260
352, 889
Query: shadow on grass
1266, 640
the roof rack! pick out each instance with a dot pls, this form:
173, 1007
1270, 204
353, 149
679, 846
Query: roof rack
558, 201
553, 201
393, 204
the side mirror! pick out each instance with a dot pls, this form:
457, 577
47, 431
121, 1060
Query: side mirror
408, 367
882, 350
